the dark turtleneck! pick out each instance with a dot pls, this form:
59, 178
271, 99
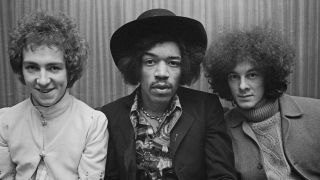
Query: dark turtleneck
264, 110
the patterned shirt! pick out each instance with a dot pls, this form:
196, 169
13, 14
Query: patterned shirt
268, 134
153, 137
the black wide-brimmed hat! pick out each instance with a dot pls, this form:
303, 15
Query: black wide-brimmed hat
157, 21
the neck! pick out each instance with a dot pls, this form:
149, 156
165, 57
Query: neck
153, 106
155, 109
36, 103
261, 112
57, 109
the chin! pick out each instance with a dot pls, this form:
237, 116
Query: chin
246, 105
45, 103
162, 99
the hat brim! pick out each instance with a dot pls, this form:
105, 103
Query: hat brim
190, 30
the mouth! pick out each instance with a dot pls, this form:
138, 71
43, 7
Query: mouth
44, 90
161, 88
244, 96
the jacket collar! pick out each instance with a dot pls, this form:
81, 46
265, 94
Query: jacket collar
288, 108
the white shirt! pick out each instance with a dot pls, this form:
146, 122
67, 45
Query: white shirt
71, 136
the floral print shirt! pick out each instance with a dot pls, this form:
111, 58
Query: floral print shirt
153, 137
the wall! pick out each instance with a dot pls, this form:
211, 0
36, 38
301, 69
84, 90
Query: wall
299, 20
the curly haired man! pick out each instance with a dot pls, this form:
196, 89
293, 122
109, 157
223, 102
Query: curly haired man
274, 135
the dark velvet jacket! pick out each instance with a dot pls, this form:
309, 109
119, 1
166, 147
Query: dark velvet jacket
200, 147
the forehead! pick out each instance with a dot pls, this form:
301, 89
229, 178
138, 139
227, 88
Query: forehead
167, 48
42, 54
244, 66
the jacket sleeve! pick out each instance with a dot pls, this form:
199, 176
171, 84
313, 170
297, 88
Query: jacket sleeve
93, 160
218, 146
7, 167
112, 172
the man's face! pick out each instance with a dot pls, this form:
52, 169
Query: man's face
246, 85
160, 74
45, 74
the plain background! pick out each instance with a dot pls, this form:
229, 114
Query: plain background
298, 20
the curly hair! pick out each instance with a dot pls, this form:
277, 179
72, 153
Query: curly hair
266, 49
40, 29
131, 62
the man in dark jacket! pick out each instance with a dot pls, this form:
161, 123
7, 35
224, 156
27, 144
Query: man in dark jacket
163, 130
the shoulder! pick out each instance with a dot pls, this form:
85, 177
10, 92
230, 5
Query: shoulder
3, 112
233, 118
230, 114
192, 94
199, 101
119, 105
118, 110
16, 110
305, 104
85, 110
188, 91
10, 116
304, 100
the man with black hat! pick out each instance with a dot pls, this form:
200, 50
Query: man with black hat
163, 130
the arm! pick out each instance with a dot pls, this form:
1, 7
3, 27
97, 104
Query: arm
112, 172
218, 146
112, 168
93, 160
7, 167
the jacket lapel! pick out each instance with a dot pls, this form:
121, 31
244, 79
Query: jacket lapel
249, 132
125, 136
130, 159
124, 125
180, 130
289, 110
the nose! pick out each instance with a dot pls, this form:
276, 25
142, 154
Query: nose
162, 70
243, 84
43, 79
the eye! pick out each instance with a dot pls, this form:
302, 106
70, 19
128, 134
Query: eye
233, 77
252, 75
174, 63
54, 69
31, 68
149, 62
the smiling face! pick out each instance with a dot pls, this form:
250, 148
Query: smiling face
246, 85
45, 74
161, 71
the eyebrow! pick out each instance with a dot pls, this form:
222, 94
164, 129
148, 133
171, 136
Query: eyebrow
250, 70
168, 58
49, 64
